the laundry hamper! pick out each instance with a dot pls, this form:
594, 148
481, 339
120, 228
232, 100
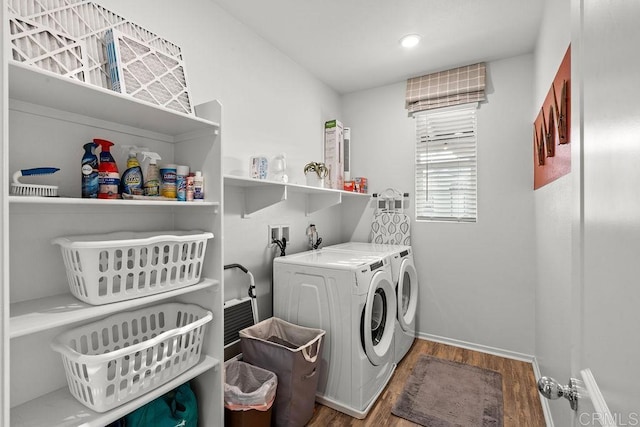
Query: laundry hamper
293, 353
112, 267
121, 357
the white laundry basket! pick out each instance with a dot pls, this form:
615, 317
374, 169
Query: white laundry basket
106, 268
121, 357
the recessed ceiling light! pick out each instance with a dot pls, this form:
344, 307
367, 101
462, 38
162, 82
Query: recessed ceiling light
410, 40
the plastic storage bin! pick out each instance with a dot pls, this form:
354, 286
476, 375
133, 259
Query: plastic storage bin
292, 352
121, 357
105, 268
249, 392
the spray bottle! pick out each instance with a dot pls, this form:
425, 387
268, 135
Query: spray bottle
90, 171
108, 175
131, 182
152, 177
198, 187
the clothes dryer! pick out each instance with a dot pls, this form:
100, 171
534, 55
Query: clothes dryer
405, 280
351, 296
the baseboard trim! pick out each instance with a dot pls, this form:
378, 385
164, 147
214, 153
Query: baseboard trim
479, 347
546, 410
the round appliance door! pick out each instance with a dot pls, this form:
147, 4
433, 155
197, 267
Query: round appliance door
378, 317
407, 295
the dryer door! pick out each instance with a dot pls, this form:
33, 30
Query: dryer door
407, 295
378, 317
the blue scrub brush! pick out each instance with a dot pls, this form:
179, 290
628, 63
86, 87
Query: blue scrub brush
19, 189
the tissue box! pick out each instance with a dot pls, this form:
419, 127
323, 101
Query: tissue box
333, 158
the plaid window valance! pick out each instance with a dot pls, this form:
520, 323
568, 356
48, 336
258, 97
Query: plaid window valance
452, 87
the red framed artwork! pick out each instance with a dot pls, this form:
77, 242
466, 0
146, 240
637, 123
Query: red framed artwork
552, 129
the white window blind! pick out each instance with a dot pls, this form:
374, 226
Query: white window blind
446, 170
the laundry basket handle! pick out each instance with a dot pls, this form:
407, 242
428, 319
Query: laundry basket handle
306, 352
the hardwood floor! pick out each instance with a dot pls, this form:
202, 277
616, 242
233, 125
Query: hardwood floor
521, 399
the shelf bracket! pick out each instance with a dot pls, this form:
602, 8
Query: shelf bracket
316, 202
257, 198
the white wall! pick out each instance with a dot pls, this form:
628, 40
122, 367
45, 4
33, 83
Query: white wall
553, 216
477, 280
270, 105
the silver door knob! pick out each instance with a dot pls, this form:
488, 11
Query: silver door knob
552, 389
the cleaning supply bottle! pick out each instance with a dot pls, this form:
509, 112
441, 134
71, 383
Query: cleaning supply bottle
190, 187
131, 181
168, 181
198, 187
152, 177
182, 172
90, 171
108, 175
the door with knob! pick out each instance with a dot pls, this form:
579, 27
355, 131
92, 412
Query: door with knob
602, 323
583, 397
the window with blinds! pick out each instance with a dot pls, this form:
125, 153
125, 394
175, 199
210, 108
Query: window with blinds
446, 169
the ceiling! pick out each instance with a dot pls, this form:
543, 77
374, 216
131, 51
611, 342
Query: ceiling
353, 45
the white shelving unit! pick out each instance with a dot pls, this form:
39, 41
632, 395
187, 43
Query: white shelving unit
259, 194
46, 120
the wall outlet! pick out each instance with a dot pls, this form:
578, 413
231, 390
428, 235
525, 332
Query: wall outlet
278, 232
275, 233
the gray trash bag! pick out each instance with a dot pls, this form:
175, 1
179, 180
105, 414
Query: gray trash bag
248, 387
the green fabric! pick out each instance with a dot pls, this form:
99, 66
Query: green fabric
178, 408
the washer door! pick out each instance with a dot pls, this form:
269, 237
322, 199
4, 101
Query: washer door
378, 316
407, 295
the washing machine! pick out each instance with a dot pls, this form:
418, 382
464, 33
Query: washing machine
350, 295
405, 280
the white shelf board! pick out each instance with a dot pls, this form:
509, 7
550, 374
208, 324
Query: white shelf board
61, 409
317, 190
37, 86
238, 181
28, 317
104, 202
260, 194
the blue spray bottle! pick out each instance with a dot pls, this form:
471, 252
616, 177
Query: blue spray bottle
90, 171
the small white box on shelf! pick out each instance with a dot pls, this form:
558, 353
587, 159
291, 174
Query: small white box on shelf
333, 153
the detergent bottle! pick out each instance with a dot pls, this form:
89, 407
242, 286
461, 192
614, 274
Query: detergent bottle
90, 171
108, 175
131, 181
152, 177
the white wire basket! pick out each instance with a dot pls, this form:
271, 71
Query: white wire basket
119, 358
106, 268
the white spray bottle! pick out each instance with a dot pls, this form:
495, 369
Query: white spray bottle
152, 177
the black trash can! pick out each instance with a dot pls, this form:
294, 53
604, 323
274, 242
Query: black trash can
293, 353
249, 393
